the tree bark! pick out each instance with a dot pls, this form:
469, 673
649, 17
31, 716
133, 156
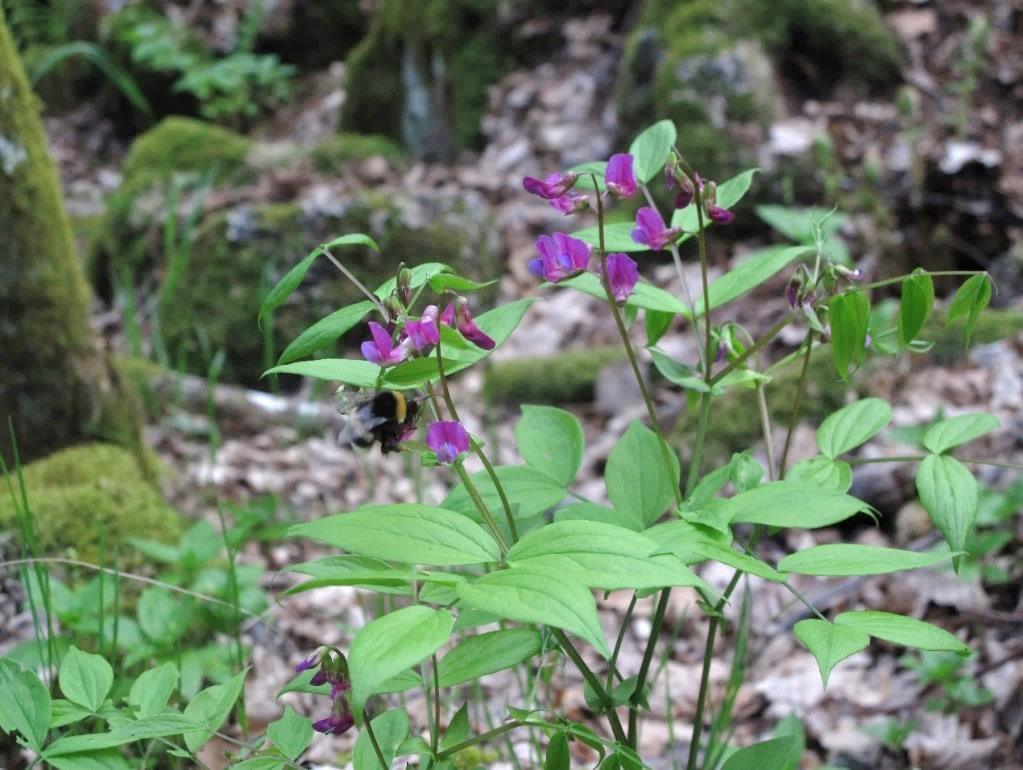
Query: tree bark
56, 384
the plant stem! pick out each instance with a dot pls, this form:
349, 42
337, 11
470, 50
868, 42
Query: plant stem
644, 667
477, 449
919, 458
765, 424
376, 746
481, 506
755, 348
594, 683
796, 403
358, 284
612, 666
507, 727
435, 735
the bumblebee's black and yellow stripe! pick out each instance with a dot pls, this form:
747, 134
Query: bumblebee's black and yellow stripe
387, 417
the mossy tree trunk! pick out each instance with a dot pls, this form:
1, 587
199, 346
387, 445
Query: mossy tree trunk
55, 383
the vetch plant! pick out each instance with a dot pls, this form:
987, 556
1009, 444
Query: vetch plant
502, 573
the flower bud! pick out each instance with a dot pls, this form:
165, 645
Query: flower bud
404, 285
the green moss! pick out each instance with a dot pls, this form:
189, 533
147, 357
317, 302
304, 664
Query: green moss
569, 377
177, 144
91, 497
346, 147
735, 421
56, 385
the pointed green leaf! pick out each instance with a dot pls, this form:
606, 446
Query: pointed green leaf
849, 314
751, 272
767, 755
421, 273
85, 678
954, 431
350, 371
152, 690
898, 629
729, 193
830, 643
529, 491
852, 425
210, 708
650, 150
325, 332
915, 305
638, 482
822, 471
407, 532
25, 705
971, 298
949, 493
843, 559
551, 441
392, 643
390, 729
477, 656
292, 733
793, 504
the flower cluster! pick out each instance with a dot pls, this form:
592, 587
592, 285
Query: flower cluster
333, 669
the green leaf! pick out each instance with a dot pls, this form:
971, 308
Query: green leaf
409, 533
644, 296
650, 150
532, 596
477, 656
406, 680
842, 559
160, 726
681, 374
638, 483
350, 371
457, 730
915, 305
898, 629
499, 324
152, 690
701, 550
774, 754
162, 618
448, 281
558, 756
949, 493
300, 683
64, 712
392, 643
292, 733
753, 271
792, 504
415, 372
25, 706
656, 322
357, 571
104, 759
529, 491
325, 331
85, 678
594, 512
603, 555
971, 298
852, 425
551, 441
260, 763
210, 708
800, 225
822, 471
729, 193
829, 643
849, 314
390, 729
954, 431
617, 237
276, 296
421, 273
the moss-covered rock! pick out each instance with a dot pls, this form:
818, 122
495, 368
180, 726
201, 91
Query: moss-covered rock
344, 148
421, 73
92, 497
710, 65
56, 386
569, 377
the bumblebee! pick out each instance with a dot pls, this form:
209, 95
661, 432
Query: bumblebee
388, 417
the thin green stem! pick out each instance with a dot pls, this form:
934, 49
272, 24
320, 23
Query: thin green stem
478, 450
701, 699
796, 403
497, 732
920, 458
644, 667
627, 343
755, 348
376, 746
356, 282
481, 506
435, 735
593, 682
612, 665
901, 278
765, 424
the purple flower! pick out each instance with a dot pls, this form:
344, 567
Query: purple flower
554, 186
457, 314
622, 274
618, 177
718, 215
337, 723
651, 230
424, 332
381, 350
448, 439
311, 662
561, 256
793, 290
570, 203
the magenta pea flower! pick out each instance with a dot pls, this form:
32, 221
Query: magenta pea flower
618, 177
338, 723
651, 230
424, 332
448, 439
570, 203
458, 315
554, 186
718, 215
382, 350
561, 256
622, 275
